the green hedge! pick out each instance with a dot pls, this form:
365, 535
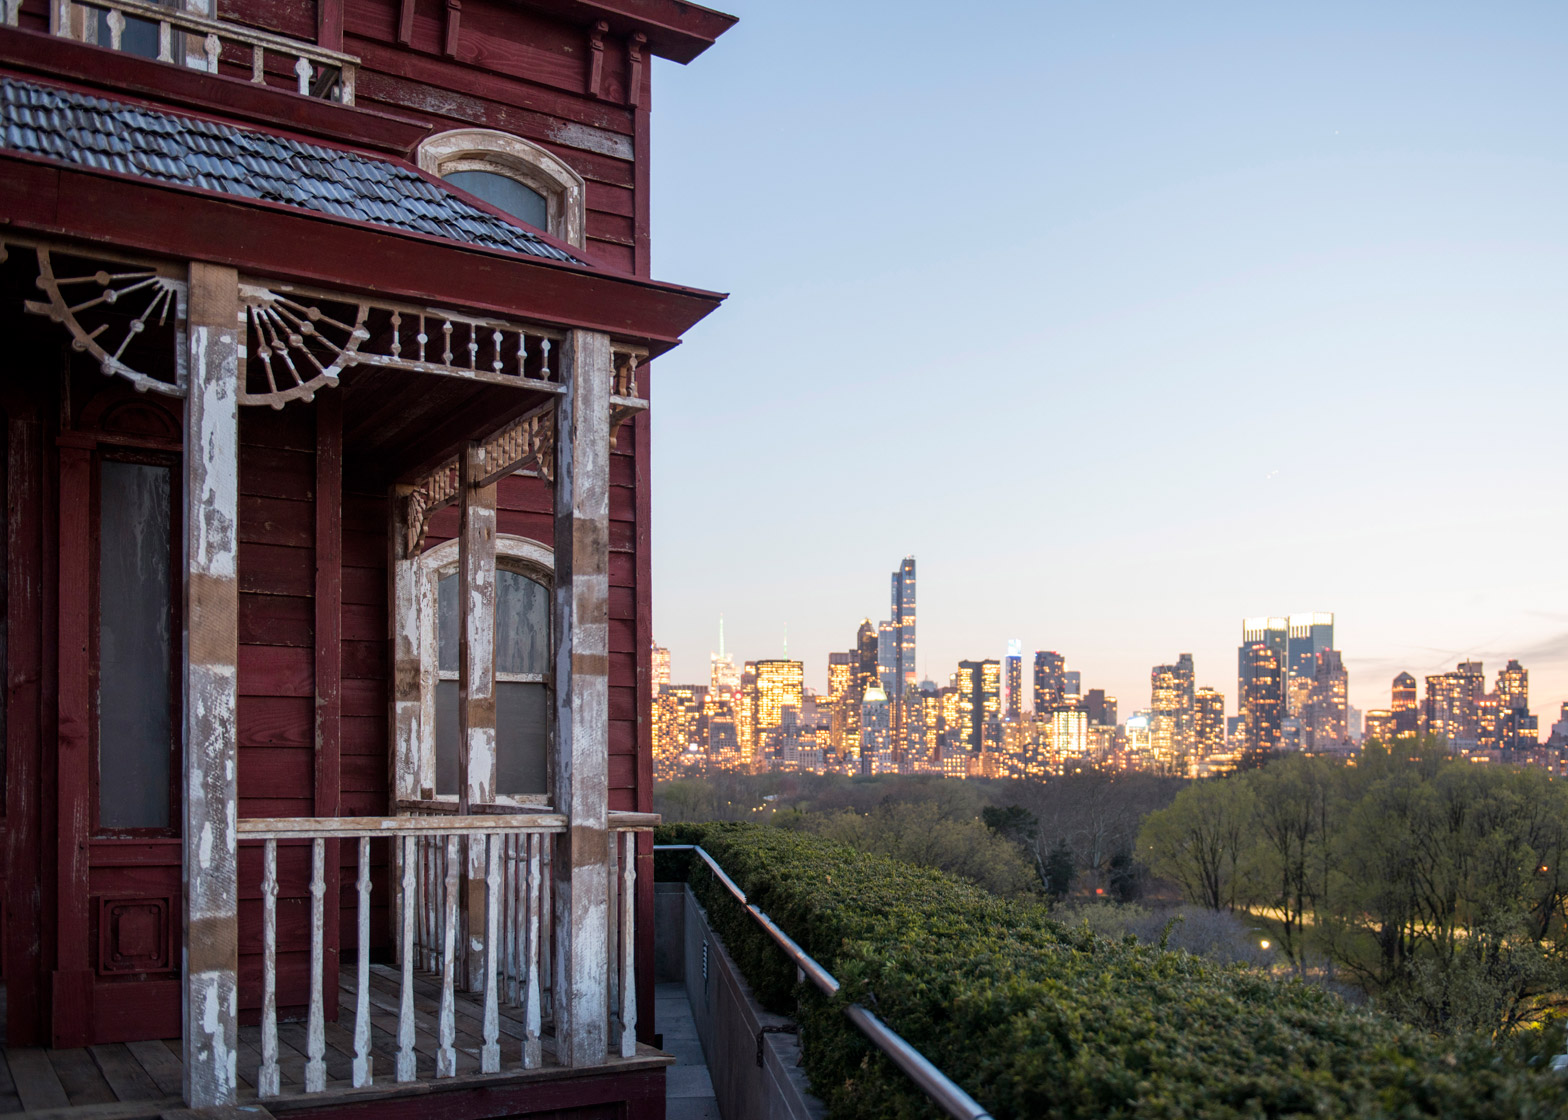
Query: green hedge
1038, 1020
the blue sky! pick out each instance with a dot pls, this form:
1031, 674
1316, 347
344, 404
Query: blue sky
1127, 320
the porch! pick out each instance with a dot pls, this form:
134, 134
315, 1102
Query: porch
130, 1080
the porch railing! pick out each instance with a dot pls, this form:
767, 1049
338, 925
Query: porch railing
437, 863
201, 42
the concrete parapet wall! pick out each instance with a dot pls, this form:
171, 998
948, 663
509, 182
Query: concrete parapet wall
729, 1020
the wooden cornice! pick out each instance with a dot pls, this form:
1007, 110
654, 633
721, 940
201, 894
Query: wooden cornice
674, 29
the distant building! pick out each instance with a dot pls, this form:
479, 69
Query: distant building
1327, 716
866, 648
1072, 686
1013, 675
1171, 723
660, 666
1308, 636
1260, 697
1101, 708
1404, 707
1381, 725
1050, 680
1208, 711
876, 756
1452, 709
903, 620
979, 685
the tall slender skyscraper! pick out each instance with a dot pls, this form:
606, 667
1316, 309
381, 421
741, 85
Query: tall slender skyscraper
902, 616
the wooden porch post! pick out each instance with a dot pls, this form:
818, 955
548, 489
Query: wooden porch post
582, 758
406, 620
210, 995
476, 760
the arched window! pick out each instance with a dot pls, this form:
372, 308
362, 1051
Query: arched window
524, 574
512, 174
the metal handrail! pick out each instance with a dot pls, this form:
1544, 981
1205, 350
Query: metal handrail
943, 1090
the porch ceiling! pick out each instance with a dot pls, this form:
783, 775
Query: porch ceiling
398, 425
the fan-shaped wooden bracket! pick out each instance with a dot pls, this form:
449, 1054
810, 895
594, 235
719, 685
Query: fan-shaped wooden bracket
527, 443
147, 296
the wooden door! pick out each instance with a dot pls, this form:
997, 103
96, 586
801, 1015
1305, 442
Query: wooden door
117, 758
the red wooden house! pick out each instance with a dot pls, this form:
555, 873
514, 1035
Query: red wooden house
325, 599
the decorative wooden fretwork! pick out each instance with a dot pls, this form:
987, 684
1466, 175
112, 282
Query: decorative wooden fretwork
305, 340
527, 443
109, 308
131, 317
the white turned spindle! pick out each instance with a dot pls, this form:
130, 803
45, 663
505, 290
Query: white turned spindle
547, 929
511, 917
363, 1073
446, 1055
302, 71
165, 41
258, 64
628, 984
316, 1028
116, 21
346, 86
210, 48
406, 1067
490, 1053
532, 1053
267, 1081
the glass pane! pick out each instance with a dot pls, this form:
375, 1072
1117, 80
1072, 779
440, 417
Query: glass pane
135, 646
522, 737
446, 624
141, 37
446, 737
522, 625
505, 194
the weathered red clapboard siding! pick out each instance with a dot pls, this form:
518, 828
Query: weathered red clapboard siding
365, 669
277, 680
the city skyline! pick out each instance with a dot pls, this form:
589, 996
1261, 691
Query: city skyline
1363, 694
1233, 334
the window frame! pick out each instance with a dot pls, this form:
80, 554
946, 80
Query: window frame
527, 557
501, 153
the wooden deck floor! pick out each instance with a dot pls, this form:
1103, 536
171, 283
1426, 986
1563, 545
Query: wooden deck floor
132, 1080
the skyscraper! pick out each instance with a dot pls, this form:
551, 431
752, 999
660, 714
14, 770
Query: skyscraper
1050, 680
1404, 708
1208, 711
979, 685
866, 656
779, 684
1308, 636
1171, 725
1261, 697
1013, 675
902, 617
661, 666
1453, 706
1101, 708
1328, 714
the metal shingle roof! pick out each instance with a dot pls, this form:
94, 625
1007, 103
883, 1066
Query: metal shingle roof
115, 136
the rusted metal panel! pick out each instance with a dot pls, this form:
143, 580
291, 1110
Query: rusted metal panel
211, 687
